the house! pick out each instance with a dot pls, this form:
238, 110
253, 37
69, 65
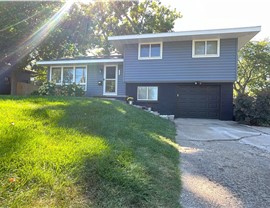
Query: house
188, 74
5, 85
10, 79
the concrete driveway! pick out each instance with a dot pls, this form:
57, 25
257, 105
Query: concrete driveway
224, 164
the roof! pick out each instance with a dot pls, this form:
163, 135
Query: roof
244, 34
84, 60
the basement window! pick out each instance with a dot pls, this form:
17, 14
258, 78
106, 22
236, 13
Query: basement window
146, 93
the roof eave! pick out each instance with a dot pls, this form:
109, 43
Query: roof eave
244, 34
72, 62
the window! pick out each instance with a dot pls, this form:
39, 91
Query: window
147, 93
150, 51
56, 75
80, 76
205, 48
69, 74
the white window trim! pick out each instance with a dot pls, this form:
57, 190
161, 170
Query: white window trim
205, 55
149, 58
116, 80
147, 93
73, 66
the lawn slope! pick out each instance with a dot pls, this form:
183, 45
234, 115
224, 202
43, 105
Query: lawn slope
81, 152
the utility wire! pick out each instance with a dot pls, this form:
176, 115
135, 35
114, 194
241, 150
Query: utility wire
6, 28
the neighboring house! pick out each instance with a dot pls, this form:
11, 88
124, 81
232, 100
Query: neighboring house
10, 79
5, 85
187, 74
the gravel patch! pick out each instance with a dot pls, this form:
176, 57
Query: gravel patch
224, 174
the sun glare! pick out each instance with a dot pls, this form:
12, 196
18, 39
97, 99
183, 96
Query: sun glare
37, 37
84, 1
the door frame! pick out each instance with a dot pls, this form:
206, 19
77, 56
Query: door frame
104, 79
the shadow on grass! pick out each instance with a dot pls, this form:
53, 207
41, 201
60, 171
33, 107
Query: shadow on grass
13, 139
137, 170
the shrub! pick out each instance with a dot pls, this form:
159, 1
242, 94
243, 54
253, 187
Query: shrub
51, 89
244, 108
35, 93
47, 88
72, 90
253, 110
262, 108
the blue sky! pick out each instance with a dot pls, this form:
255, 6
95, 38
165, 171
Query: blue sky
212, 14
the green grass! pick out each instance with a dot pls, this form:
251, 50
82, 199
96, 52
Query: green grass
80, 152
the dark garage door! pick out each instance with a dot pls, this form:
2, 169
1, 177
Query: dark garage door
198, 101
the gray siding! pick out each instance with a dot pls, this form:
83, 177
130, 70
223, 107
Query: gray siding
177, 64
121, 84
95, 73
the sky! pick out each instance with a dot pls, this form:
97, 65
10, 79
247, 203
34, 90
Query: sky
214, 14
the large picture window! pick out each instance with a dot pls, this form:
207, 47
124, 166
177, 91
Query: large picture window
205, 48
146, 93
65, 75
150, 51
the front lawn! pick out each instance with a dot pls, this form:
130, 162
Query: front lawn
80, 152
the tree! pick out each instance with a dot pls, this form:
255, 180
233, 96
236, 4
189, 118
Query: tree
19, 21
130, 17
253, 68
83, 28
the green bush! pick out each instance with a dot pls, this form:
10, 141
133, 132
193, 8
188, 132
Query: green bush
51, 89
262, 108
47, 88
71, 90
253, 110
244, 108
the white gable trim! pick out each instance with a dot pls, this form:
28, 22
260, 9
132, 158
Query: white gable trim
79, 61
243, 34
187, 33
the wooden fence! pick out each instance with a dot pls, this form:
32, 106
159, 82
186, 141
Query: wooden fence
25, 88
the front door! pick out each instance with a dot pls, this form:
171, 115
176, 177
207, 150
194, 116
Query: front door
110, 80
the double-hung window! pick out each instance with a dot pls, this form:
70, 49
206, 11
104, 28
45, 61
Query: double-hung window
80, 76
150, 51
56, 75
68, 75
64, 75
146, 93
205, 48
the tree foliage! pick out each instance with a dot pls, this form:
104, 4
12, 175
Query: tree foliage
129, 17
253, 110
18, 21
83, 28
253, 68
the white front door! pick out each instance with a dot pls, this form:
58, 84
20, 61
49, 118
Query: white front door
110, 80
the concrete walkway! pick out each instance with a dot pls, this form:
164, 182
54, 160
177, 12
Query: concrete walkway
224, 164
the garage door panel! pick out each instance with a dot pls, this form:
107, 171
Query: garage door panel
198, 101
213, 106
